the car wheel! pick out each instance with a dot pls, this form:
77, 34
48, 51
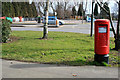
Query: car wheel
60, 23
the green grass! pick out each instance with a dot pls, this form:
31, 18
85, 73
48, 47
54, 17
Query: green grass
60, 48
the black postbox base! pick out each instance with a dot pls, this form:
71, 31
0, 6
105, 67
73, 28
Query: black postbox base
101, 58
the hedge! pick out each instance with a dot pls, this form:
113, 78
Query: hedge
6, 30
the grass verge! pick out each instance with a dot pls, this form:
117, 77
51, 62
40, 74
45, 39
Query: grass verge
67, 48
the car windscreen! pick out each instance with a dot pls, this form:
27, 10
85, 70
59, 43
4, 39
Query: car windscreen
51, 18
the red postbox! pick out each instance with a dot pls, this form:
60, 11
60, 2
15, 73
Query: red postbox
102, 30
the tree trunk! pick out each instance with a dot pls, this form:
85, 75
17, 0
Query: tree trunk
65, 10
45, 31
85, 9
82, 12
117, 40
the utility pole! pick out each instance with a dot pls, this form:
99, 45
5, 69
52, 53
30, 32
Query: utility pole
45, 32
91, 34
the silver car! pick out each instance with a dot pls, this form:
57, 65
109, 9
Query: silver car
52, 20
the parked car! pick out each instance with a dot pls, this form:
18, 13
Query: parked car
88, 19
10, 19
61, 22
7, 18
16, 19
52, 20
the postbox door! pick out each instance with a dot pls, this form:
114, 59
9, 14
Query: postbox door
103, 34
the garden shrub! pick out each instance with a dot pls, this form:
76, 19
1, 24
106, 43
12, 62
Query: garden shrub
6, 30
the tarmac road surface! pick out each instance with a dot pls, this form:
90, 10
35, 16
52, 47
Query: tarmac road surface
71, 26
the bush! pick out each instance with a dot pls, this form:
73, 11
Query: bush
6, 30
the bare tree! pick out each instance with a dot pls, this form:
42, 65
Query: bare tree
117, 40
65, 8
59, 10
45, 32
116, 34
86, 5
51, 5
82, 12
40, 6
76, 3
74, 12
68, 13
62, 9
115, 11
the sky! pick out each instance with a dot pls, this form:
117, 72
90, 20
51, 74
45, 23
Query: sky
71, 2
111, 5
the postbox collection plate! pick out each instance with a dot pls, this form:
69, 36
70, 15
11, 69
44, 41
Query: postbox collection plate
102, 29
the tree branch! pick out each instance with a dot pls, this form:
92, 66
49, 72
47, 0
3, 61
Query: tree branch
117, 2
102, 7
51, 4
110, 18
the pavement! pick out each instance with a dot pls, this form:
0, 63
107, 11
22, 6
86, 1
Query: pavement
15, 69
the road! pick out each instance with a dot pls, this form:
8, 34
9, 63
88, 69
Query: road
15, 69
74, 26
